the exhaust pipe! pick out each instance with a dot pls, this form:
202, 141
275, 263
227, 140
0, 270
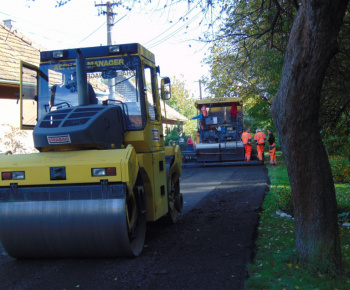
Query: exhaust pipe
83, 98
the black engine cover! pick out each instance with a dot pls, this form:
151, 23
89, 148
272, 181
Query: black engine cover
84, 127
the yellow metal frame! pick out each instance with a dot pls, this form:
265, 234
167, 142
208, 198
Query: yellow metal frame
144, 154
209, 101
36, 70
78, 166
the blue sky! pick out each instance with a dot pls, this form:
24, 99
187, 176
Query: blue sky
78, 24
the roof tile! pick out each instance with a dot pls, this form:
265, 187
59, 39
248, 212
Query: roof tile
13, 48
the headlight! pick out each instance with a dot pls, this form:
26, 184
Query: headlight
114, 49
109, 171
58, 54
14, 175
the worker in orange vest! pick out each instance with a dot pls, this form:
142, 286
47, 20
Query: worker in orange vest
260, 138
204, 111
247, 142
201, 116
272, 148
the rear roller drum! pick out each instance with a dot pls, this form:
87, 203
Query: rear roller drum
136, 220
113, 224
175, 203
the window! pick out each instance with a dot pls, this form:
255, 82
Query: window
150, 94
115, 80
29, 91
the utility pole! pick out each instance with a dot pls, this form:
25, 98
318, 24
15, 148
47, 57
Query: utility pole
110, 15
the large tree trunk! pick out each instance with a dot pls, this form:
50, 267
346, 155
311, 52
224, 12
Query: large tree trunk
295, 111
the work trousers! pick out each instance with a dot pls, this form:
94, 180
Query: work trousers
248, 151
260, 149
272, 153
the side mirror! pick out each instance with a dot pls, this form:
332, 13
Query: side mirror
165, 88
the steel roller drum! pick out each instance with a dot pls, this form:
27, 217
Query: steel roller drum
84, 224
222, 145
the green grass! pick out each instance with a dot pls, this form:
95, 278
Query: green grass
275, 265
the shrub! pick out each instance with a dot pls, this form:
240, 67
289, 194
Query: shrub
340, 169
283, 199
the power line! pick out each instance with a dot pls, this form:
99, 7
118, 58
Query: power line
175, 32
171, 26
99, 28
23, 27
92, 32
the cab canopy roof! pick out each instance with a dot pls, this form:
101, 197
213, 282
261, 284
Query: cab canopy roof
98, 51
218, 102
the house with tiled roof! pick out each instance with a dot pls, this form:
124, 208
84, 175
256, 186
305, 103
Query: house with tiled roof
15, 47
171, 116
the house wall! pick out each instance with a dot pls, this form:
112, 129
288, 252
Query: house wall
10, 119
9, 112
9, 92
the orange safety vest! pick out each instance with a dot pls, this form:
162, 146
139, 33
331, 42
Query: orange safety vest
260, 138
204, 111
246, 138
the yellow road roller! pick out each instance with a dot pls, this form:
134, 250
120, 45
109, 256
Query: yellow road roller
102, 170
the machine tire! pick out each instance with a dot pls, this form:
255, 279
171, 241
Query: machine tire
175, 200
136, 218
175, 204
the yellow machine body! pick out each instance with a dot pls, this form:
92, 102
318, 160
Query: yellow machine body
101, 172
78, 166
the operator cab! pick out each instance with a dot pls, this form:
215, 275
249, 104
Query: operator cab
220, 125
122, 76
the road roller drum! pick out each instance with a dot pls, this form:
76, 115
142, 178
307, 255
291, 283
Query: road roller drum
85, 221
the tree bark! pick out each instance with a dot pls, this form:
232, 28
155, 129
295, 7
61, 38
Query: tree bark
295, 110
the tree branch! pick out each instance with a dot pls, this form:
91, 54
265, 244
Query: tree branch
274, 21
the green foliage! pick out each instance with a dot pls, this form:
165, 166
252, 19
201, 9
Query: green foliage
183, 102
276, 264
340, 169
283, 199
172, 137
337, 141
343, 201
258, 114
174, 134
335, 104
344, 217
247, 57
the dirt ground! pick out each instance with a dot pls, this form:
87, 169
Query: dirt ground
208, 248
